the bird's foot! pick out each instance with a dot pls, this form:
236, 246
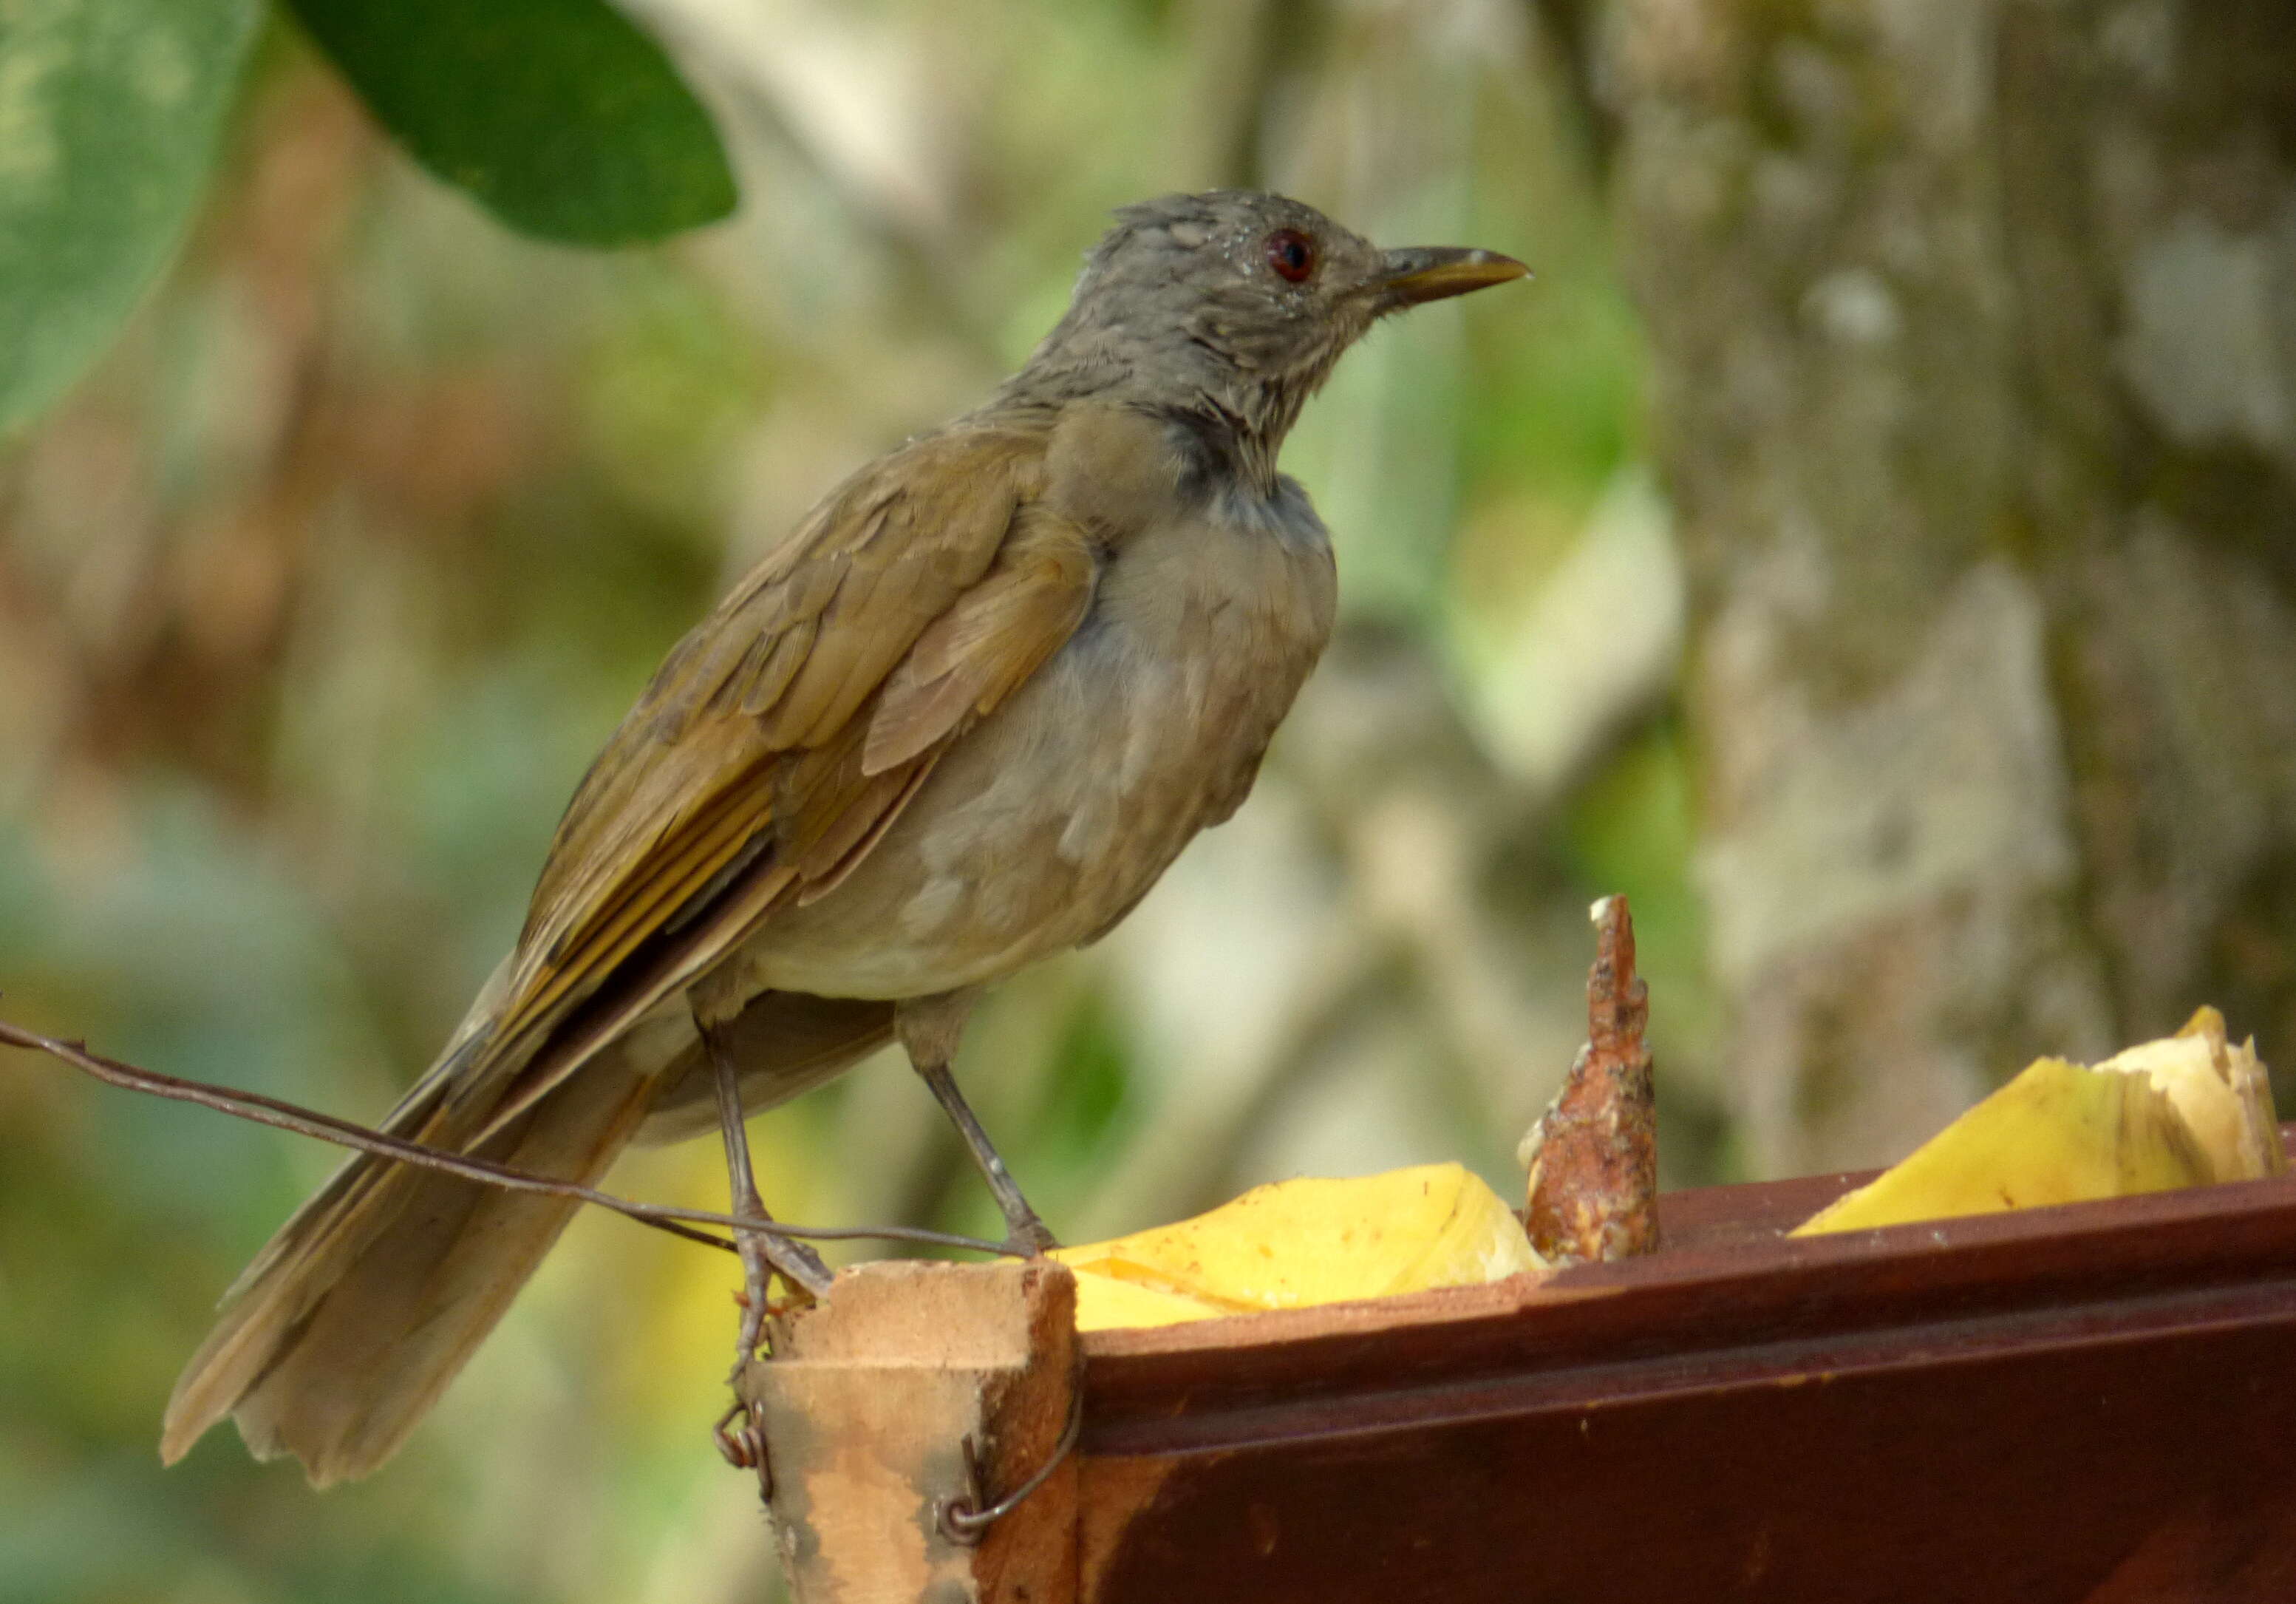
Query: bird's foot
763, 1257
1026, 1236
800, 1266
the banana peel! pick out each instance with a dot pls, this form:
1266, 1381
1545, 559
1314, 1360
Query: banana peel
2187, 1110
1302, 1242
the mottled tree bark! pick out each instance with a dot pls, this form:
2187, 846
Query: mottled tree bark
1975, 328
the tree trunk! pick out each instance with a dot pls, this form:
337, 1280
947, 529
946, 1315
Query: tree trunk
1975, 335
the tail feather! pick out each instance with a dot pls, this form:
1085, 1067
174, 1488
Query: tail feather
335, 1206
370, 1300
365, 1305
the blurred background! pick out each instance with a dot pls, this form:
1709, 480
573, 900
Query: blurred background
1870, 543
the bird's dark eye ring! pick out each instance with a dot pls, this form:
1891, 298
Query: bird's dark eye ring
1292, 254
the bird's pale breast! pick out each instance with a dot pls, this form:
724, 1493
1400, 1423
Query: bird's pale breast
1056, 813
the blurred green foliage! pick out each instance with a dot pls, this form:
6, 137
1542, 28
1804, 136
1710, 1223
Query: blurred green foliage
109, 119
558, 116
319, 593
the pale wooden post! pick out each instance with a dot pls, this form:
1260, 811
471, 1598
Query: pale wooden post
866, 1411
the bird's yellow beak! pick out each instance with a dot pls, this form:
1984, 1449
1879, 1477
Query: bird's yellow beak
1424, 273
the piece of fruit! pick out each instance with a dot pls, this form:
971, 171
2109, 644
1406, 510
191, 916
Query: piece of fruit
2222, 1090
2186, 1110
1302, 1242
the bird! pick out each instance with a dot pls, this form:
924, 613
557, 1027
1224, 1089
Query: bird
961, 720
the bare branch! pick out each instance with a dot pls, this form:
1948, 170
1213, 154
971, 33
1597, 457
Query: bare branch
306, 1122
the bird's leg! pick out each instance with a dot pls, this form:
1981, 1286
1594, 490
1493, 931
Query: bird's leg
762, 1252
928, 1028
1025, 1232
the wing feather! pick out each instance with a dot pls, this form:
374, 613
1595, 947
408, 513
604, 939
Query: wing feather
782, 738
981, 648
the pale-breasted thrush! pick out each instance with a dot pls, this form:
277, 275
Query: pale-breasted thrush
963, 717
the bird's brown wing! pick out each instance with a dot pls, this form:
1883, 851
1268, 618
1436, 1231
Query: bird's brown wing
782, 738
769, 755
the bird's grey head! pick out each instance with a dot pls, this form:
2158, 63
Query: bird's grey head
1235, 304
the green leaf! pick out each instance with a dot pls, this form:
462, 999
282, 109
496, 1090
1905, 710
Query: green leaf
558, 116
110, 111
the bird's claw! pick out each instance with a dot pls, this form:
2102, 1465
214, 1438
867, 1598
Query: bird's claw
1028, 1238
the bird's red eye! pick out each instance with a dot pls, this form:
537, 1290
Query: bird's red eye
1292, 253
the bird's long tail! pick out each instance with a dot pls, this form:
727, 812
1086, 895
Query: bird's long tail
352, 1321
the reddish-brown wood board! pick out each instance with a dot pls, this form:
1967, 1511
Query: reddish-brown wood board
2094, 1403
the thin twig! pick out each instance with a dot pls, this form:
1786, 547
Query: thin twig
308, 1121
